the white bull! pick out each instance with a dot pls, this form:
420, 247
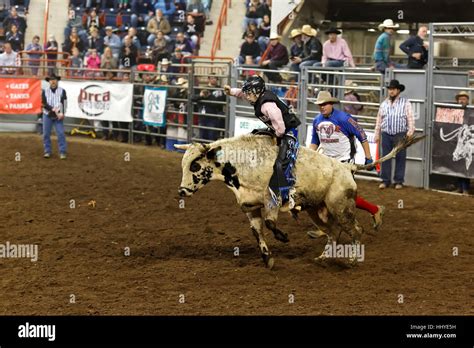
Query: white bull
325, 188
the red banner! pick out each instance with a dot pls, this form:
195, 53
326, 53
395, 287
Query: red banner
20, 96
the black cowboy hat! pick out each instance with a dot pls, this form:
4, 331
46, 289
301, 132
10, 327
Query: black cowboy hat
333, 30
396, 84
52, 77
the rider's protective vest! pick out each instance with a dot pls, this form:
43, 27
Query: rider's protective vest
289, 118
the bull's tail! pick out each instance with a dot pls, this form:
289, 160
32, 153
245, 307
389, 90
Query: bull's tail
406, 142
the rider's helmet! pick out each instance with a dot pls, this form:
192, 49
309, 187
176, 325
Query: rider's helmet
254, 84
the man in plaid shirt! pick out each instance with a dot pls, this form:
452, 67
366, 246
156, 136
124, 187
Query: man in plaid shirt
395, 120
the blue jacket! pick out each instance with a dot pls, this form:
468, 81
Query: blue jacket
167, 7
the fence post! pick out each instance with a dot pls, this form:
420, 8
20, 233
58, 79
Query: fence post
303, 95
190, 108
429, 110
232, 101
130, 127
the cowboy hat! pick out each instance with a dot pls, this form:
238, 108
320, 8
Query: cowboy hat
294, 33
52, 77
275, 36
333, 30
388, 23
325, 97
165, 61
396, 84
181, 81
462, 94
308, 30
349, 83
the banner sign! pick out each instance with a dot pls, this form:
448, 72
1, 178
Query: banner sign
453, 142
154, 103
101, 101
20, 96
244, 125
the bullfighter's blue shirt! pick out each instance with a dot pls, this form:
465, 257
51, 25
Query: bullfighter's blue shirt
332, 134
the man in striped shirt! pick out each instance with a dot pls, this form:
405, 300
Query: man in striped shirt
395, 120
54, 108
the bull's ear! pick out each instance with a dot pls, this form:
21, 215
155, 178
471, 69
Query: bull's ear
182, 146
212, 153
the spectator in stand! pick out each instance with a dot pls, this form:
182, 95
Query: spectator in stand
382, 46
249, 48
52, 47
140, 12
96, 3
312, 49
128, 54
91, 20
15, 38
291, 95
351, 96
251, 16
34, 57
141, 6
296, 50
14, 18
200, 6
122, 4
276, 58
190, 31
76, 63
155, 24
252, 28
167, 7
113, 42
165, 77
208, 104
178, 59
159, 49
95, 42
72, 41
92, 63
132, 34
108, 61
416, 49
264, 8
336, 51
9, 60
264, 33
184, 44
74, 22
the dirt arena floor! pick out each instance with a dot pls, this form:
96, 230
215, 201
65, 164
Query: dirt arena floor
189, 251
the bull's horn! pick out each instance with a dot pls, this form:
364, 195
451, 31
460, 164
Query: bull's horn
182, 146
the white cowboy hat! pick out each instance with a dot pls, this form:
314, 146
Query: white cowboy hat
165, 61
325, 97
294, 33
308, 30
275, 36
349, 83
388, 23
181, 81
